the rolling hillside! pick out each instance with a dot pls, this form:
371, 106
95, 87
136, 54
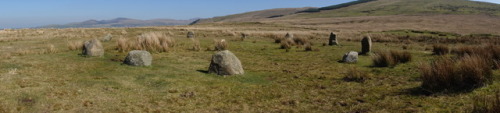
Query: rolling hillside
254, 16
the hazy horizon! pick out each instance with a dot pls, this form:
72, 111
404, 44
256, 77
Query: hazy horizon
33, 13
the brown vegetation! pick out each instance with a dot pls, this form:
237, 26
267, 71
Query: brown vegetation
461, 74
487, 104
391, 58
440, 49
151, 41
353, 74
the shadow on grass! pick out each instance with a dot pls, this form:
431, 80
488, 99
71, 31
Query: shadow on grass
203, 71
419, 91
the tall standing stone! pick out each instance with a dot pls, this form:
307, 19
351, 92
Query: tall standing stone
138, 58
333, 39
93, 48
190, 34
366, 45
225, 63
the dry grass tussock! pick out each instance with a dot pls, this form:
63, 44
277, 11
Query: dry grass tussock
487, 103
220, 45
196, 45
155, 42
75, 45
447, 74
391, 58
354, 74
440, 49
491, 53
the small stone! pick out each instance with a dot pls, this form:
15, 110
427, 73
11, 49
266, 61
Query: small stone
225, 63
289, 36
350, 57
138, 58
93, 48
190, 34
107, 38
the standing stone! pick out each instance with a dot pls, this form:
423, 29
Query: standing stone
244, 35
350, 57
93, 48
225, 63
366, 45
138, 58
190, 34
333, 39
289, 36
108, 37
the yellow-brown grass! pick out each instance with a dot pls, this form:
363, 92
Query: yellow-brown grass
196, 45
487, 103
440, 49
221, 45
463, 74
353, 74
75, 45
155, 42
391, 58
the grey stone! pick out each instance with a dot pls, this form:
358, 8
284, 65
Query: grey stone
107, 38
289, 36
190, 34
93, 48
225, 63
333, 39
366, 45
350, 57
138, 58
244, 35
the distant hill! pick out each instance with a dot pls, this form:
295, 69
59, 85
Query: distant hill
254, 16
369, 8
404, 7
121, 22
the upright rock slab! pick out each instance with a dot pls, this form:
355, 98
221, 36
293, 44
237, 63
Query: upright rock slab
190, 34
93, 48
350, 57
138, 58
225, 63
366, 45
333, 39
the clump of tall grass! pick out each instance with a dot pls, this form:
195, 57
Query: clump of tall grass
489, 52
196, 45
50, 49
391, 58
75, 45
440, 49
220, 45
287, 44
487, 103
447, 74
353, 74
156, 42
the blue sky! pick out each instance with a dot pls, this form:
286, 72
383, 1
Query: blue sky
31, 13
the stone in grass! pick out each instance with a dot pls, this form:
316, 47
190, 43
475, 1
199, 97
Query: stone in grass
107, 38
350, 57
225, 63
366, 45
138, 58
93, 48
333, 39
289, 36
190, 34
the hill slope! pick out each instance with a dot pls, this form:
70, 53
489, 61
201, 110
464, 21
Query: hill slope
369, 8
254, 16
121, 22
409, 7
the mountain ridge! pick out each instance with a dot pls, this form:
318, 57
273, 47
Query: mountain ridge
121, 22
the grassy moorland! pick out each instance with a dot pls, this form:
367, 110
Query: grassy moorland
38, 73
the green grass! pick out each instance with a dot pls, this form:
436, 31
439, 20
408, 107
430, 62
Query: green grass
274, 80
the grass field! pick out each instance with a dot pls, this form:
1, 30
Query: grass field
35, 77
